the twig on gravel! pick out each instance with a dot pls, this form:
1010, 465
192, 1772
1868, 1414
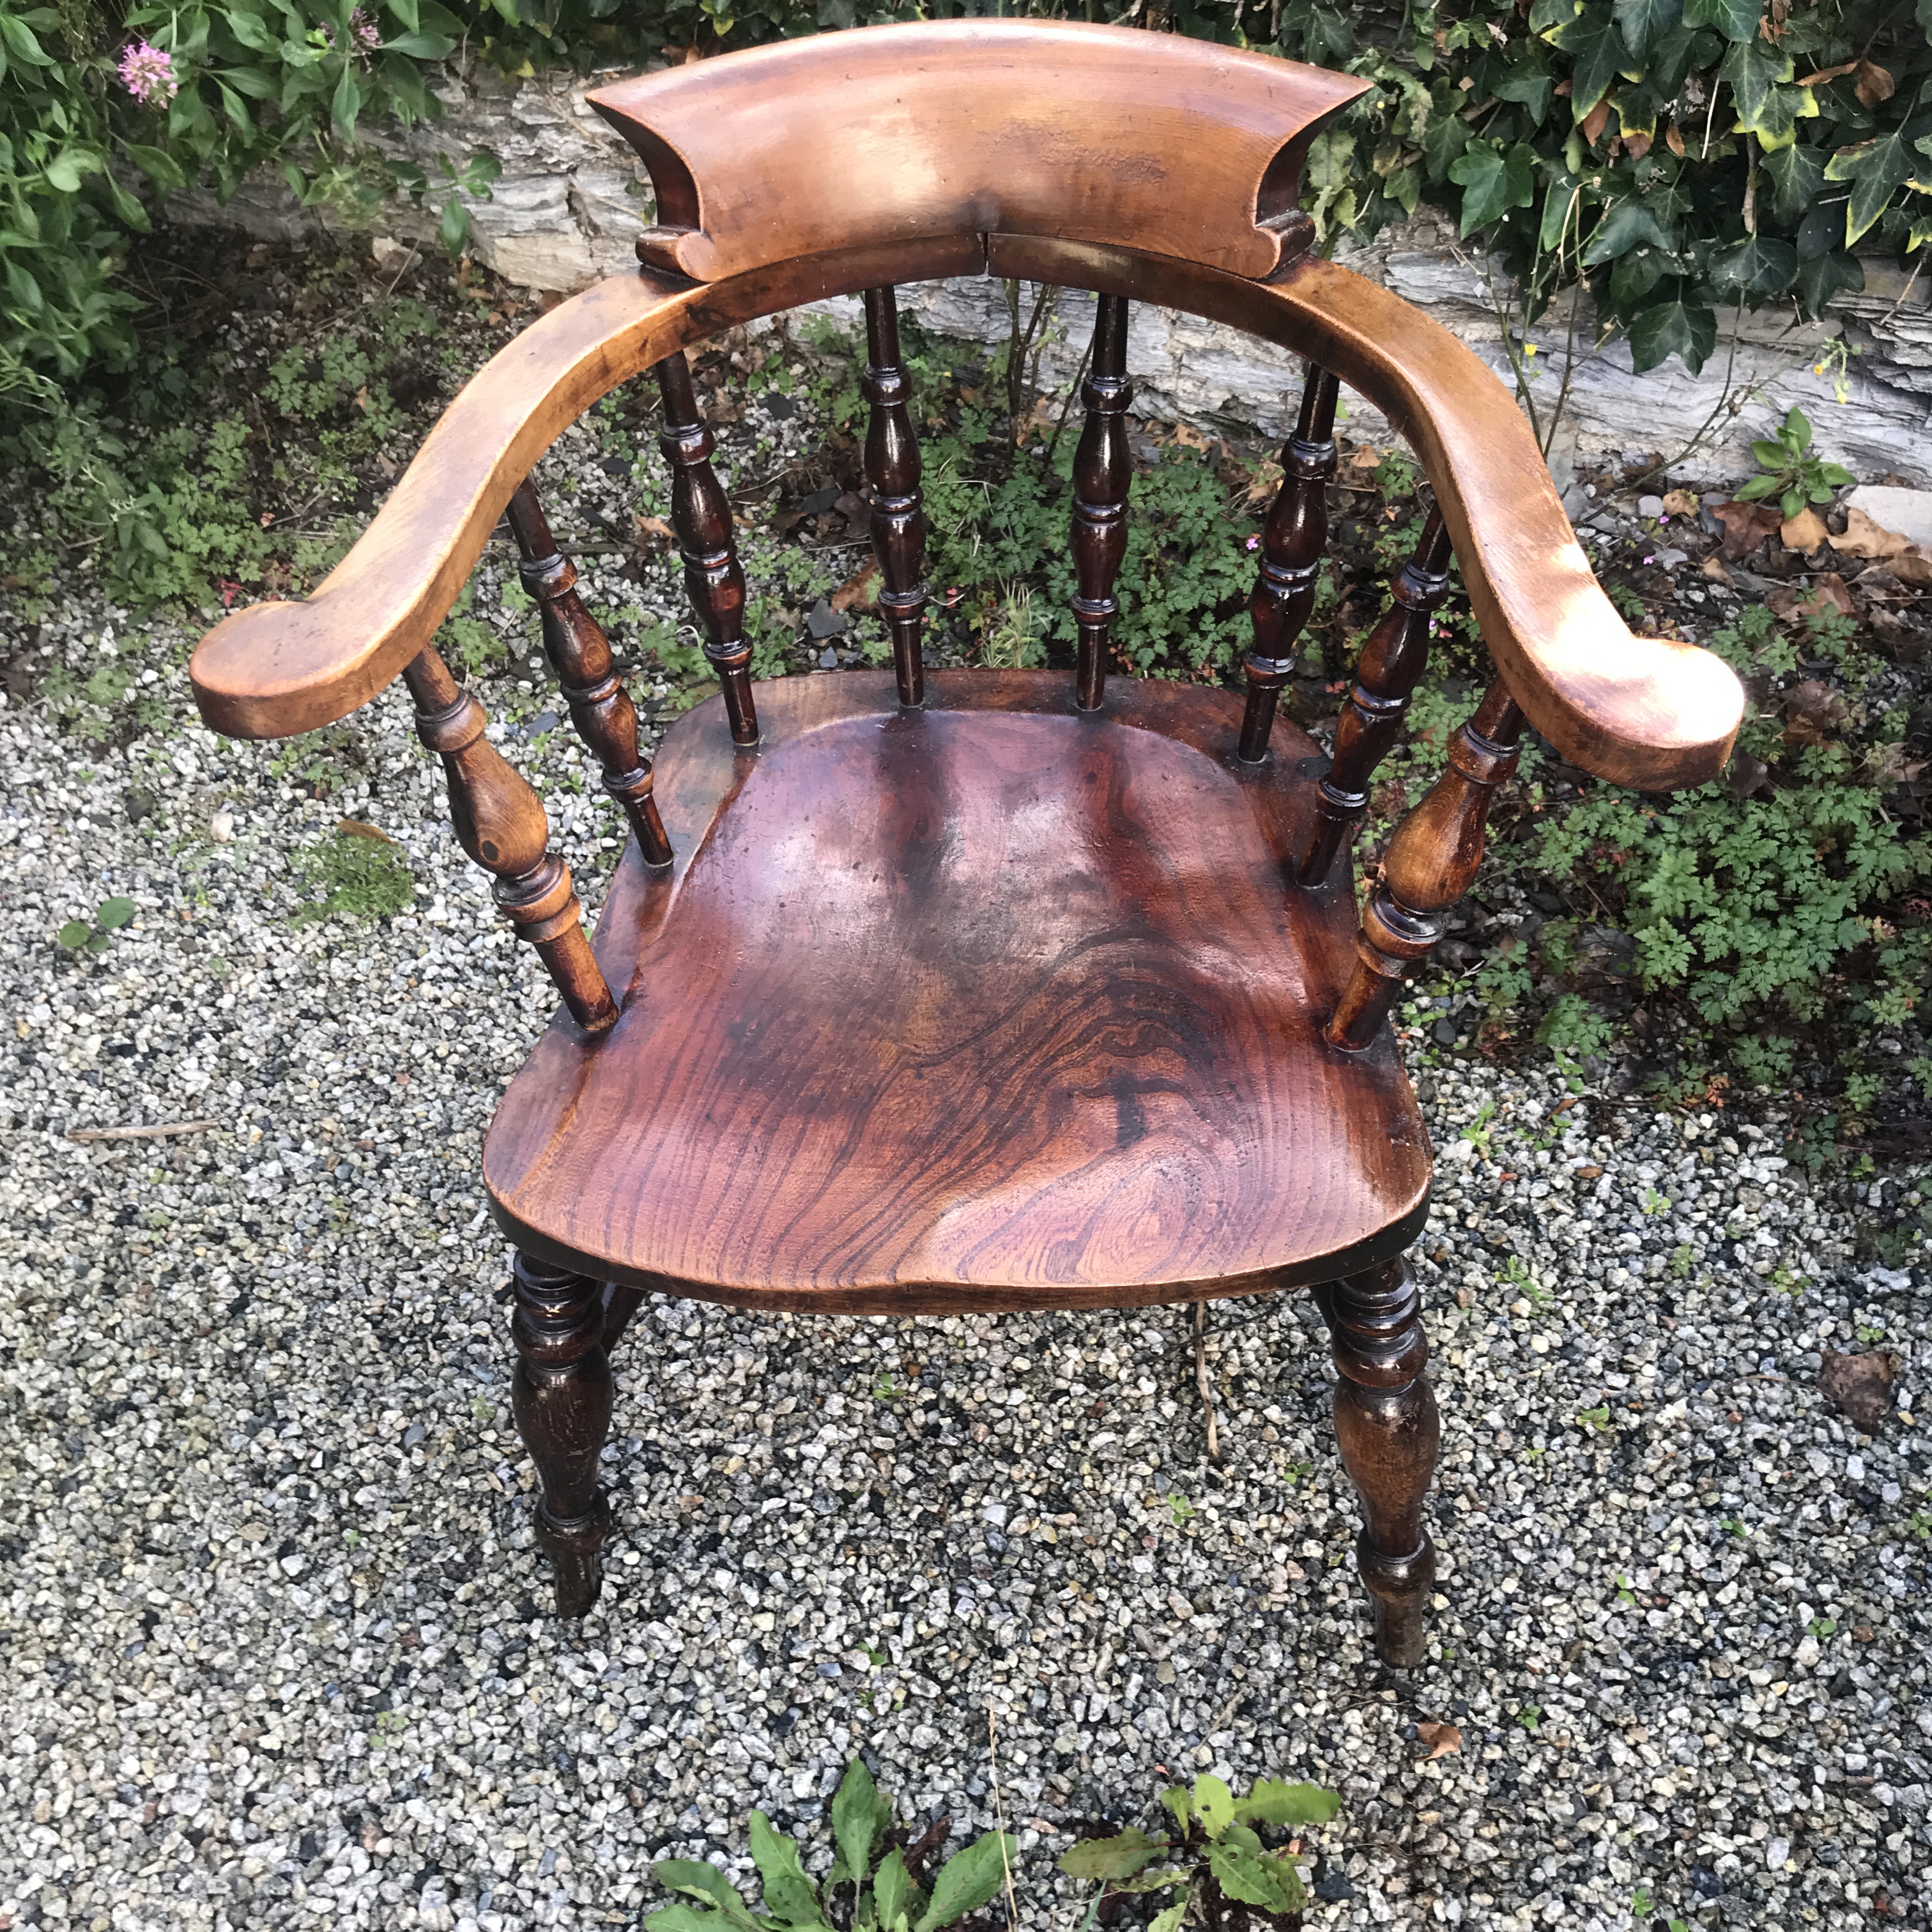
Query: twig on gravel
144, 1133
1200, 1380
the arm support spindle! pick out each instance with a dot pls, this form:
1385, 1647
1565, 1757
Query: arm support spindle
1430, 864
899, 516
500, 823
1391, 664
580, 654
1292, 546
1102, 472
702, 517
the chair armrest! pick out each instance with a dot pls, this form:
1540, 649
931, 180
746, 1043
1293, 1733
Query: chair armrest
1644, 711
276, 669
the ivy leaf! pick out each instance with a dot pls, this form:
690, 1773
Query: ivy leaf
1597, 55
1754, 70
1111, 1857
1686, 330
1493, 181
1636, 274
1272, 1802
1445, 138
1627, 223
1644, 23
1735, 19
1530, 84
968, 1880
1797, 173
1877, 170
1822, 277
1757, 266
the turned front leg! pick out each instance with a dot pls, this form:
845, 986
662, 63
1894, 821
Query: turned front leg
1389, 1432
1102, 471
562, 1399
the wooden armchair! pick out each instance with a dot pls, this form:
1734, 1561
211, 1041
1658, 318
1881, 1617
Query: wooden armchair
919, 991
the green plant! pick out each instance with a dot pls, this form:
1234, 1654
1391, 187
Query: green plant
80, 935
1217, 1859
1790, 471
1642, 1907
1182, 1511
1595, 1420
359, 876
870, 1887
1530, 1716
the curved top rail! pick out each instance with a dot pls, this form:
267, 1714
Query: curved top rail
1112, 135
1645, 712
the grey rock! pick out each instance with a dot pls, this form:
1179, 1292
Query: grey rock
1650, 507
1906, 513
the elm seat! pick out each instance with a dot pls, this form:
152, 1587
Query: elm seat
995, 1004
982, 989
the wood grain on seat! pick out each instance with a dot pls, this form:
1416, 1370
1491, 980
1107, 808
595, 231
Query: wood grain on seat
994, 1005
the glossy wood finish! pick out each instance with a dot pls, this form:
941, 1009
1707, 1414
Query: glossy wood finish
586, 674
1102, 469
713, 578
500, 823
995, 1004
1646, 712
1431, 863
898, 515
561, 1397
1099, 133
1392, 663
1292, 541
1390, 1433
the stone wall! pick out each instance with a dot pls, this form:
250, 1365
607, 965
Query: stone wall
572, 197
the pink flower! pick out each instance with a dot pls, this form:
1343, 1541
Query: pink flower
365, 29
147, 74
1254, 543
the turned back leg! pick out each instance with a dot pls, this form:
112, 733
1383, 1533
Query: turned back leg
562, 1398
1386, 1424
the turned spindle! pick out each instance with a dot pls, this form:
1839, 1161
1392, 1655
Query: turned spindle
892, 470
1430, 864
586, 674
1292, 541
499, 822
1392, 662
702, 518
1387, 1425
1102, 472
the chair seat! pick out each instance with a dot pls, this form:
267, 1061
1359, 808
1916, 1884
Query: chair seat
995, 1004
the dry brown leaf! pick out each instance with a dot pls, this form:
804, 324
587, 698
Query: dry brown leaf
1746, 525
654, 530
1189, 437
1680, 503
1829, 592
1813, 713
1875, 83
1441, 1739
1804, 532
357, 828
1913, 567
1825, 73
860, 591
1859, 1387
1673, 139
1865, 538
1595, 122
1713, 569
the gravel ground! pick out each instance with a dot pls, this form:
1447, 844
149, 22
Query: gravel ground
275, 1650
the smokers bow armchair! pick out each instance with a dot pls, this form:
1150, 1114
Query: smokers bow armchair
926, 991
